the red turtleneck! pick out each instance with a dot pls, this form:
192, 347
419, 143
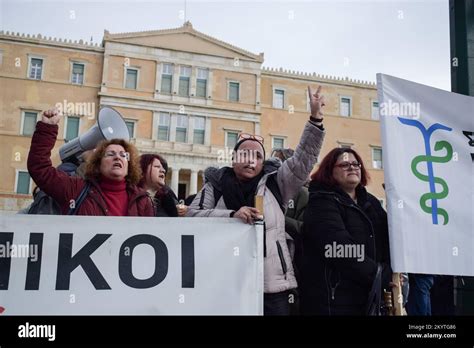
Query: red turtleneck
115, 195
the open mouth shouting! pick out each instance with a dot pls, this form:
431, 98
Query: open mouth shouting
117, 165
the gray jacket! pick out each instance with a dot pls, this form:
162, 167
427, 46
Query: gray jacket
290, 176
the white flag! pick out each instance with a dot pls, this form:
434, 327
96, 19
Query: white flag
428, 156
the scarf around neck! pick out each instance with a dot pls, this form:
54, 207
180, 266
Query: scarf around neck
237, 193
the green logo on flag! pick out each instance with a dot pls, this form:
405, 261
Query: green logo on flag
434, 196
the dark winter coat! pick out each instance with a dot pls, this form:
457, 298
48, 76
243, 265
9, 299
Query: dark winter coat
334, 285
165, 203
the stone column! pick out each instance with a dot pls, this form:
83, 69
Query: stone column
175, 179
193, 182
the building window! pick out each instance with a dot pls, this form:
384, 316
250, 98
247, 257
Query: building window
23, 183
278, 143
72, 128
231, 139
234, 91
201, 82
77, 73
375, 110
131, 128
181, 128
377, 158
345, 106
29, 122
184, 76
164, 127
278, 98
36, 68
199, 130
345, 145
167, 78
131, 80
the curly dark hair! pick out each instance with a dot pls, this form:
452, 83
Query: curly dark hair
92, 171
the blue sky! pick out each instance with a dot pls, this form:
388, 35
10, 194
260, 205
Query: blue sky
408, 39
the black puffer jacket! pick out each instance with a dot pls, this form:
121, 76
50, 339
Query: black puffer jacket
333, 285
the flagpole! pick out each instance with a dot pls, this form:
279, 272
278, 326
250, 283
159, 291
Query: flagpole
397, 295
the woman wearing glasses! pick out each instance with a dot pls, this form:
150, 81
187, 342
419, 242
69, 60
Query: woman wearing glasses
231, 191
346, 252
112, 174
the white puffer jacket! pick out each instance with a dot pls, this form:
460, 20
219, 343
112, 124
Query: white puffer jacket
290, 176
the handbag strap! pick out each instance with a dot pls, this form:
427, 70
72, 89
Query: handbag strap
375, 295
79, 199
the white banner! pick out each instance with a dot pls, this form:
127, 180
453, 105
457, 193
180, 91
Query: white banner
61, 265
428, 153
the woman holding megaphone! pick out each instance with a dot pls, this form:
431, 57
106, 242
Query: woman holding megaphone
111, 176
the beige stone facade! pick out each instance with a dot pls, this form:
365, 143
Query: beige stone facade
184, 94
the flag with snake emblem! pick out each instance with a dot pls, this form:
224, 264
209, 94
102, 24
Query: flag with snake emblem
428, 161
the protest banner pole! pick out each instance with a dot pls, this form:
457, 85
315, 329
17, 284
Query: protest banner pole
259, 203
261, 243
397, 295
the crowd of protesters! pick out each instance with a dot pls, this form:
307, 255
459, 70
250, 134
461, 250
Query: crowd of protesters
306, 214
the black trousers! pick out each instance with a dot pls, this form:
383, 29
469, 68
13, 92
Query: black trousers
277, 303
